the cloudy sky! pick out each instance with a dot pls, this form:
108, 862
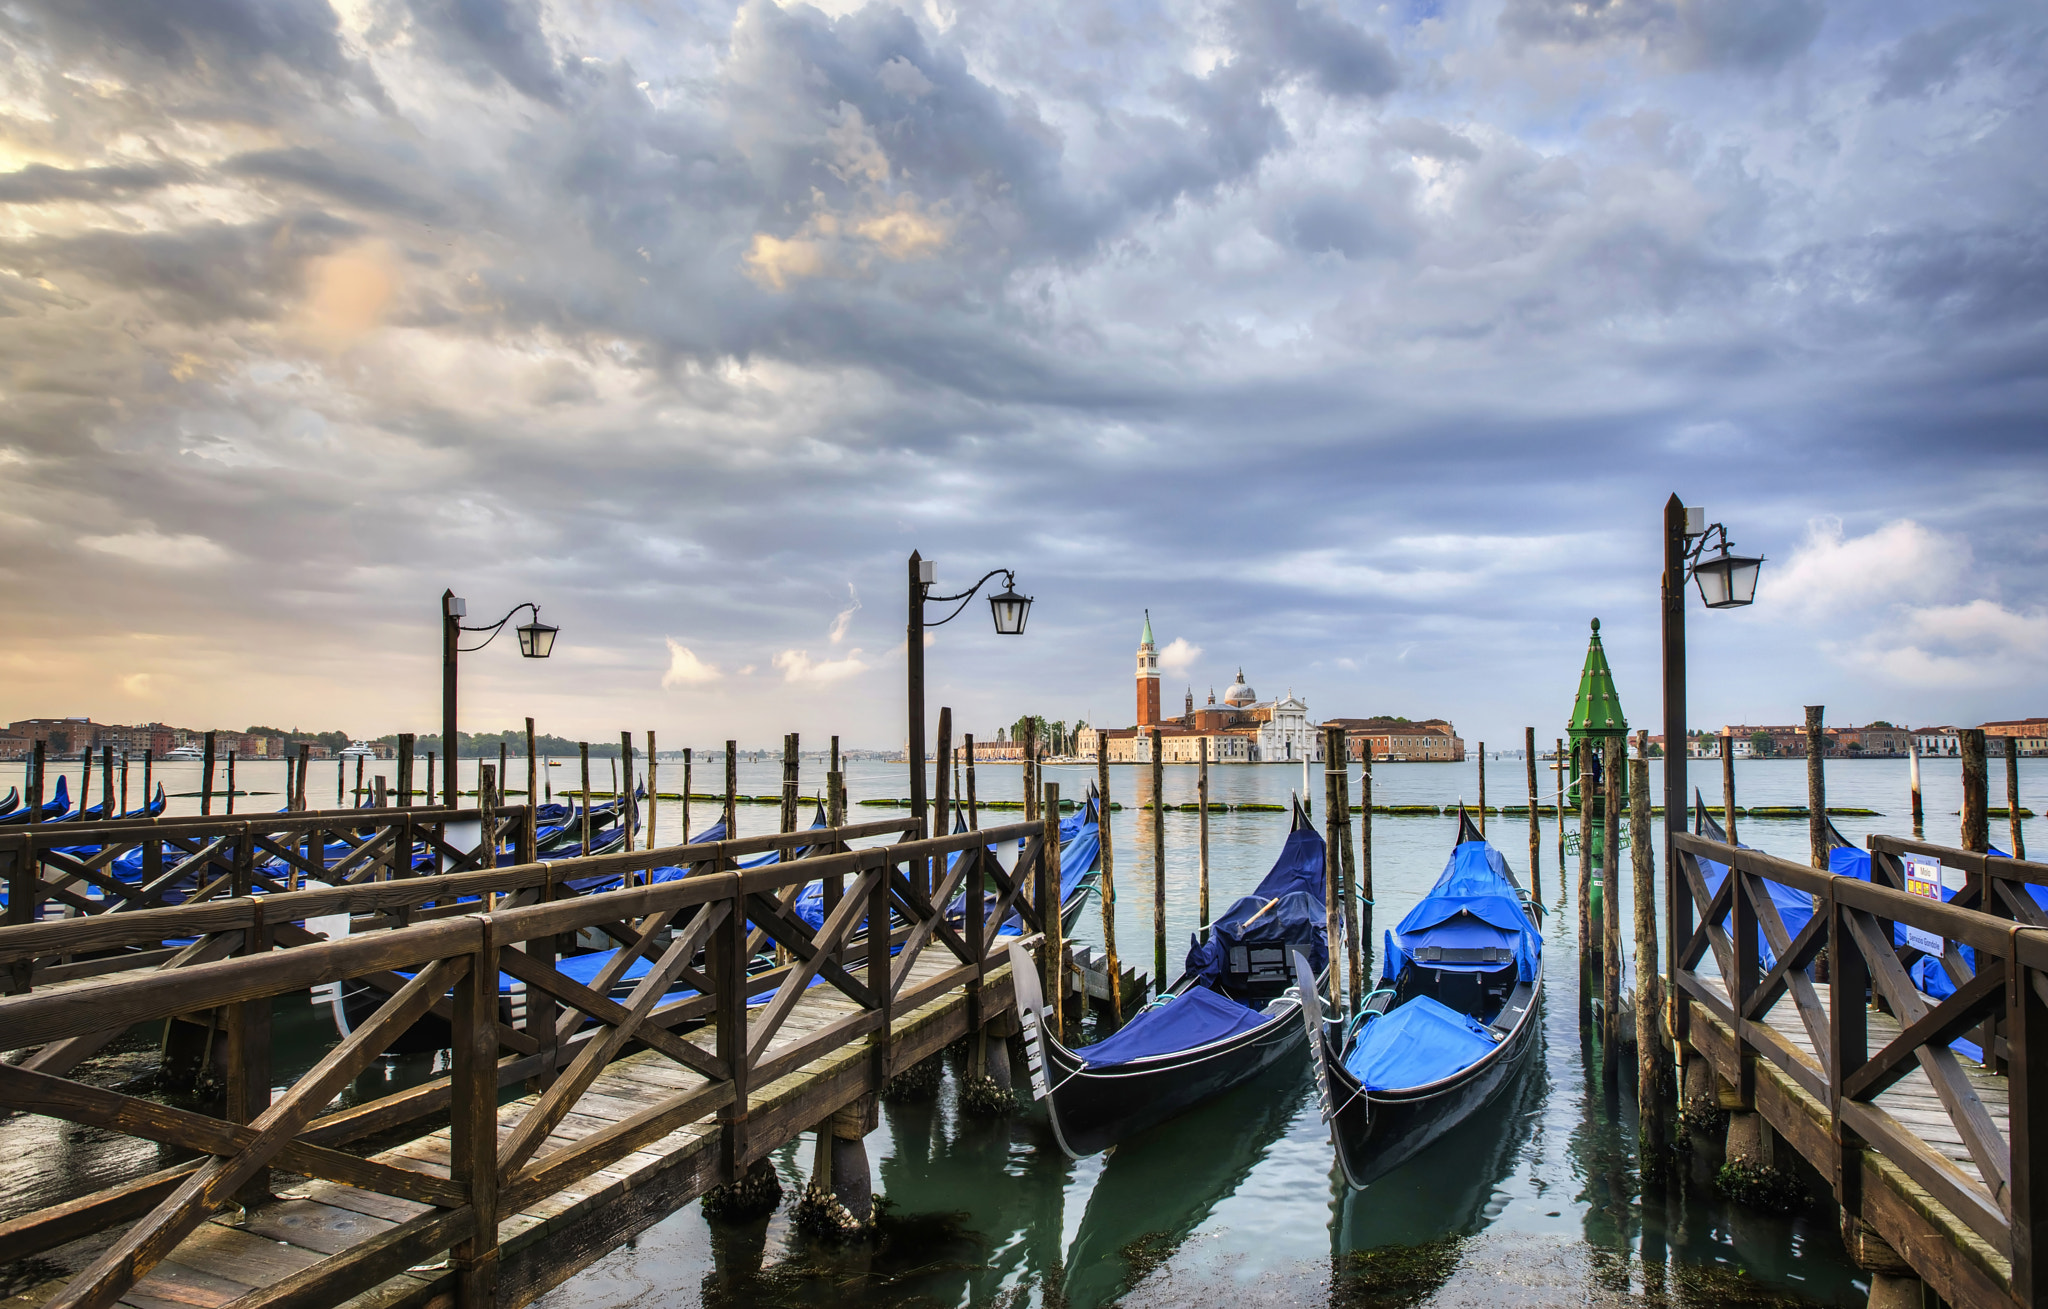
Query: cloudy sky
1361, 343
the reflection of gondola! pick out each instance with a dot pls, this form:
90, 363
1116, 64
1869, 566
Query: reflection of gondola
1158, 1190
1234, 1012
1455, 1017
1446, 1191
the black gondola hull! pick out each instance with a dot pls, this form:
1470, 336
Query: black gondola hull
1376, 1132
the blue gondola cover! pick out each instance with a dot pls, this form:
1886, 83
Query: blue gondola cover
1295, 919
1419, 1042
1195, 1017
1474, 903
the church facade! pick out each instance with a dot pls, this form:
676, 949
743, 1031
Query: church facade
1243, 729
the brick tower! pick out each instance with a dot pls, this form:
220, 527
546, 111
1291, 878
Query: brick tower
1148, 677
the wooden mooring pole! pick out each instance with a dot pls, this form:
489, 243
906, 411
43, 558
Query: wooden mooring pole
1816, 789
1587, 945
1482, 788
1108, 890
1202, 835
730, 815
1564, 877
1333, 870
1727, 785
1611, 777
583, 759
206, 778
1365, 850
973, 806
1535, 819
1913, 783
2012, 796
1056, 970
1651, 1062
1976, 791
1158, 865
653, 792
1030, 780
624, 798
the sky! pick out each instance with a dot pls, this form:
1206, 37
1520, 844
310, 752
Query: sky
1361, 344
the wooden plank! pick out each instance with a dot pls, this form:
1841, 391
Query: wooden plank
315, 1226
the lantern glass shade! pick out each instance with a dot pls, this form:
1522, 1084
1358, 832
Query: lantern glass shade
1727, 581
537, 639
1010, 611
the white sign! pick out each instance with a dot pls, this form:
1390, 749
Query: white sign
1923, 877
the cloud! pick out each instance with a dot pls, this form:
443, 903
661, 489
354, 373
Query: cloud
136, 684
844, 620
155, 549
1898, 563
686, 669
1177, 656
798, 666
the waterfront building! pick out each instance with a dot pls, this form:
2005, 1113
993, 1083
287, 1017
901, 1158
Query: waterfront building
1430, 740
2032, 733
1241, 729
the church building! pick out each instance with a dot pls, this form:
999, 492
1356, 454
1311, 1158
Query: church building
1243, 729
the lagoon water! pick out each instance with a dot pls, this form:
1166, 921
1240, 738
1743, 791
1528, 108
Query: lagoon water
1536, 1203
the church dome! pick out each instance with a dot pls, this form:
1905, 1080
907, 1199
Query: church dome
1239, 695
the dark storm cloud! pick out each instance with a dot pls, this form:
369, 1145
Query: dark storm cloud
489, 39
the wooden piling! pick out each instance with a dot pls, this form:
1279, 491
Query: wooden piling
1610, 902
1354, 944
504, 770
1727, 786
624, 796
1588, 945
1333, 871
84, 799
355, 800
145, 801
148, 769
298, 785
1651, 1063
653, 791
1056, 969
107, 786
1158, 865
688, 761
943, 795
973, 810
38, 759
532, 778
1202, 837
732, 788
1976, 791
405, 752
1482, 788
1564, 877
1364, 888
787, 816
583, 755
1816, 790
2012, 796
1030, 778
1913, 783
1107, 890
1535, 819
431, 792
206, 778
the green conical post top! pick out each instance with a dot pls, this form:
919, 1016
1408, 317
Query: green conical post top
1147, 638
1597, 711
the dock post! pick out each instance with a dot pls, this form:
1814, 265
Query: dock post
1727, 786
688, 760
973, 809
1353, 944
431, 793
1652, 1066
1535, 819
1482, 788
1030, 779
1334, 842
653, 792
1054, 966
1587, 948
583, 755
104, 807
1564, 877
2012, 796
1816, 789
942, 799
731, 812
1365, 848
1108, 889
1202, 836
1976, 791
1913, 785
405, 743
206, 775
1612, 776
1158, 866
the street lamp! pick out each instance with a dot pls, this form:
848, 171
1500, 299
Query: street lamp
536, 641
1008, 609
1726, 580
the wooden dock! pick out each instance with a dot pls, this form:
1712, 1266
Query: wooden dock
1932, 1155
639, 1098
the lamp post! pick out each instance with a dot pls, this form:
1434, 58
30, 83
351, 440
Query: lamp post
1726, 580
536, 641
1009, 612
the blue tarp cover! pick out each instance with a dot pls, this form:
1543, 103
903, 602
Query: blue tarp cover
1194, 1017
1416, 1043
1299, 867
1474, 902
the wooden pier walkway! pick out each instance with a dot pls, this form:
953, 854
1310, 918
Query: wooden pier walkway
640, 1095
1936, 1158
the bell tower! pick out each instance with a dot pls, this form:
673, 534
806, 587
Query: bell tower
1148, 677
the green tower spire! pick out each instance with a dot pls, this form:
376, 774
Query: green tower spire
1146, 639
1597, 711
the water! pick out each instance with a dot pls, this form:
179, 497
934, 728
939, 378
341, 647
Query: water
1537, 1202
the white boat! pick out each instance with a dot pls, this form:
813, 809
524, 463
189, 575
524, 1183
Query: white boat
358, 750
184, 754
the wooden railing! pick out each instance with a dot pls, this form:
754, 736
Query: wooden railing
2003, 980
704, 932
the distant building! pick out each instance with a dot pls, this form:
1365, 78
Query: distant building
2032, 734
16, 747
1242, 729
1938, 740
58, 735
1431, 740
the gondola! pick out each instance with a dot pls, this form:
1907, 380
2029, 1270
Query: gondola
54, 808
154, 809
1454, 1018
11, 801
1235, 1011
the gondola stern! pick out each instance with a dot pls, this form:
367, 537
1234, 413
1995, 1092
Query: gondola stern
1040, 1046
